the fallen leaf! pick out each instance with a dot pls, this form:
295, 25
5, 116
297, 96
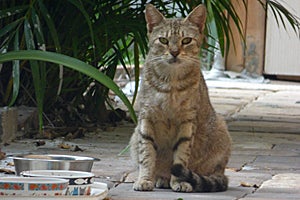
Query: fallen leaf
245, 184
233, 169
77, 148
64, 146
7, 171
10, 164
2, 155
39, 143
46, 134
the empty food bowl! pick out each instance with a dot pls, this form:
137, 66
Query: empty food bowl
53, 162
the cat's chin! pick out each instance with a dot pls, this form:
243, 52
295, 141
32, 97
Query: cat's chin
174, 60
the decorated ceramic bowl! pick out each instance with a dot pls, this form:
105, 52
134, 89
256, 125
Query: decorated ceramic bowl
25, 186
79, 182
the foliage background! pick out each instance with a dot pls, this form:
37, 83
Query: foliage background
103, 34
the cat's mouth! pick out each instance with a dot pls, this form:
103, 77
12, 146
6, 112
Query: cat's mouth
173, 60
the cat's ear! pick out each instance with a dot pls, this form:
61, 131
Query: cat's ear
198, 17
153, 17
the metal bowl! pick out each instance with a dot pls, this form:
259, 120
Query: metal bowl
52, 162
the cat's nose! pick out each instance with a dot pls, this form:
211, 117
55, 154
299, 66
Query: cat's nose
174, 53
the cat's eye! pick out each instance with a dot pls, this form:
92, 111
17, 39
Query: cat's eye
164, 40
186, 40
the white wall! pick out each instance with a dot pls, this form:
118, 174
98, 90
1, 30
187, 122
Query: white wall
282, 52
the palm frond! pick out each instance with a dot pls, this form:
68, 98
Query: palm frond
103, 34
283, 15
75, 64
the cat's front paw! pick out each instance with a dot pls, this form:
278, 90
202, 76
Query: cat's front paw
162, 182
143, 185
181, 187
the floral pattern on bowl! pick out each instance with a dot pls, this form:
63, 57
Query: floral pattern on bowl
24, 186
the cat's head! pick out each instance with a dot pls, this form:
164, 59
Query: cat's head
175, 40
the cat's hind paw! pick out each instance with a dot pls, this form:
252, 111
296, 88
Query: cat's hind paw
162, 182
181, 187
143, 185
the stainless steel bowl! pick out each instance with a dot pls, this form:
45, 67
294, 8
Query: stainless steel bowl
52, 162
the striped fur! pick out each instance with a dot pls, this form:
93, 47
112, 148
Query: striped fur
179, 141
199, 183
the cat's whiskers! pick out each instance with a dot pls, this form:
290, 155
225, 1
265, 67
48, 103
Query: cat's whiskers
161, 58
193, 59
155, 59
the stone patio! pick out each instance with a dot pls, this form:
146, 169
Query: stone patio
264, 122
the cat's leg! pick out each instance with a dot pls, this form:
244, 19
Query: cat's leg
164, 163
182, 152
146, 157
162, 182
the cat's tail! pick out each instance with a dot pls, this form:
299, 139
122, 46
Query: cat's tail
212, 183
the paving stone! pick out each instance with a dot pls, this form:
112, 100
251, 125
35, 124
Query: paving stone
241, 93
277, 106
262, 112
294, 148
125, 191
264, 126
271, 196
251, 179
277, 162
272, 138
220, 100
226, 110
254, 145
274, 86
238, 161
282, 183
281, 186
256, 152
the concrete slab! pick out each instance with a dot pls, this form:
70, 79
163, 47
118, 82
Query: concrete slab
263, 126
281, 186
125, 191
276, 162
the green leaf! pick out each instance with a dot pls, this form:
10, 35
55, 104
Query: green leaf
136, 70
37, 30
38, 73
15, 73
72, 63
51, 26
12, 11
9, 27
279, 11
53, 32
125, 150
80, 6
28, 35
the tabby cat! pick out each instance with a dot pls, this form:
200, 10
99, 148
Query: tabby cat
180, 141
